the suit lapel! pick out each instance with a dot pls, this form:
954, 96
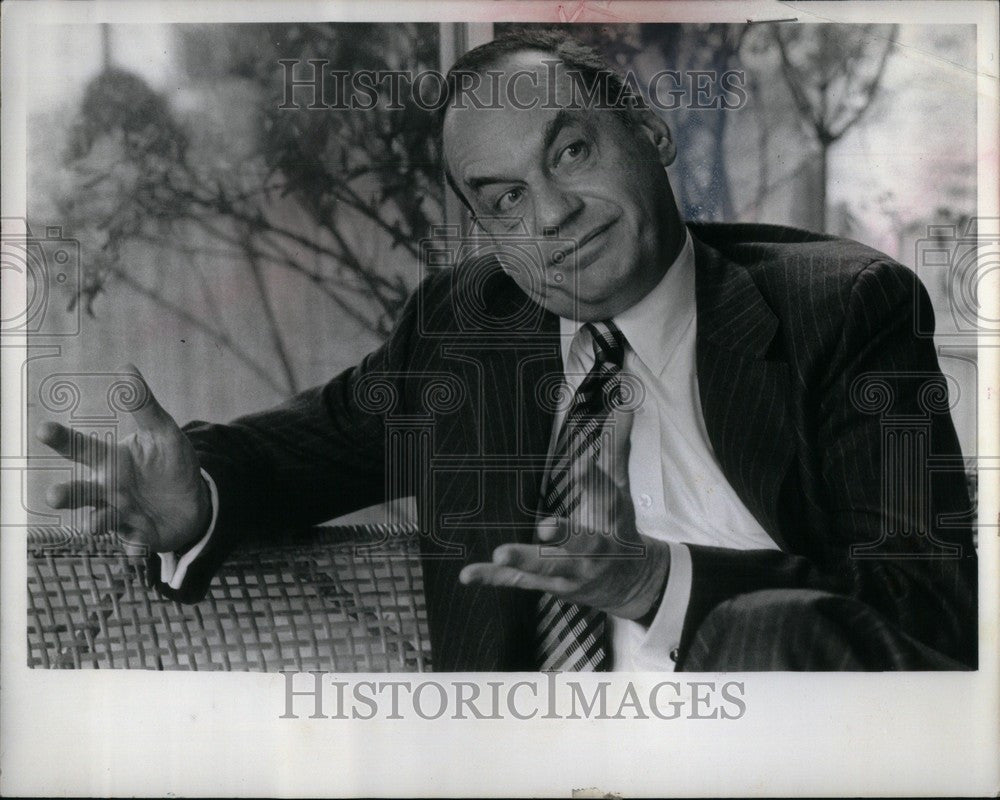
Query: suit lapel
518, 360
500, 442
744, 395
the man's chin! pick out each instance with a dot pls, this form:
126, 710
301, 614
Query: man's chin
569, 306
572, 298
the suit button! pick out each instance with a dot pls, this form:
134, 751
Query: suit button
645, 500
675, 654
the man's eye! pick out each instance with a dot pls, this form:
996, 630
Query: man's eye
509, 199
572, 153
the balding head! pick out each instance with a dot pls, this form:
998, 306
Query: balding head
526, 154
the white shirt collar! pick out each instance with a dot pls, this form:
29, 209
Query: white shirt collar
655, 324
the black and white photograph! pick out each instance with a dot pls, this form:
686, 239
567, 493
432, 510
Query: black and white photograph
627, 370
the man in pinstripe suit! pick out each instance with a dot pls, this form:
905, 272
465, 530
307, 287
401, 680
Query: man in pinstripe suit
758, 476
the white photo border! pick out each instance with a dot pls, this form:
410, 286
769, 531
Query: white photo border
131, 732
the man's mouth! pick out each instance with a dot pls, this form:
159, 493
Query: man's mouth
585, 248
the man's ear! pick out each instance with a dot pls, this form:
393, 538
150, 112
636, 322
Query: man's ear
658, 132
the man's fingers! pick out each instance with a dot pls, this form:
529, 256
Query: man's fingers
71, 444
111, 520
131, 546
100, 520
510, 577
551, 529
575, 535
515, 555
80, 493
529, 558
147, 412
553, 532
564, 540
541, 560
103, 519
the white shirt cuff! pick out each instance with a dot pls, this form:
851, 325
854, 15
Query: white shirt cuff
172, 568
657, 651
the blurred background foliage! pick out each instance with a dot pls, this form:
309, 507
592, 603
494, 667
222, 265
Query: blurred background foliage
240, 251
298, 192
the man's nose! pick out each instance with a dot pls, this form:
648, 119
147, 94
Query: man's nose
556, 207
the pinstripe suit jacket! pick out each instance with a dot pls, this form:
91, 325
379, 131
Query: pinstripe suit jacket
819, 399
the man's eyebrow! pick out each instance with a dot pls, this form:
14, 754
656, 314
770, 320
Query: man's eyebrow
552, 129
555, 125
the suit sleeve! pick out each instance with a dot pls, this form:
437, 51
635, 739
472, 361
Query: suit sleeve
922, 579
317, 456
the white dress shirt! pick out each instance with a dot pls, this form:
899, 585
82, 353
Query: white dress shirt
678, 490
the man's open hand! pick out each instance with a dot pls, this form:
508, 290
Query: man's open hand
596, 557
148, 488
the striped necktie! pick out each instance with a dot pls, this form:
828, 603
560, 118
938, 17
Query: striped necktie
569, 636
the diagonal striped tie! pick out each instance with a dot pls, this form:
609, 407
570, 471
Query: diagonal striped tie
568, 636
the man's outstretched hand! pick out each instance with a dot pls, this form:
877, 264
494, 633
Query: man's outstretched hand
147, 488
596, 557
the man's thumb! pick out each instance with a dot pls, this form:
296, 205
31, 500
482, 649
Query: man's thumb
137, 398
